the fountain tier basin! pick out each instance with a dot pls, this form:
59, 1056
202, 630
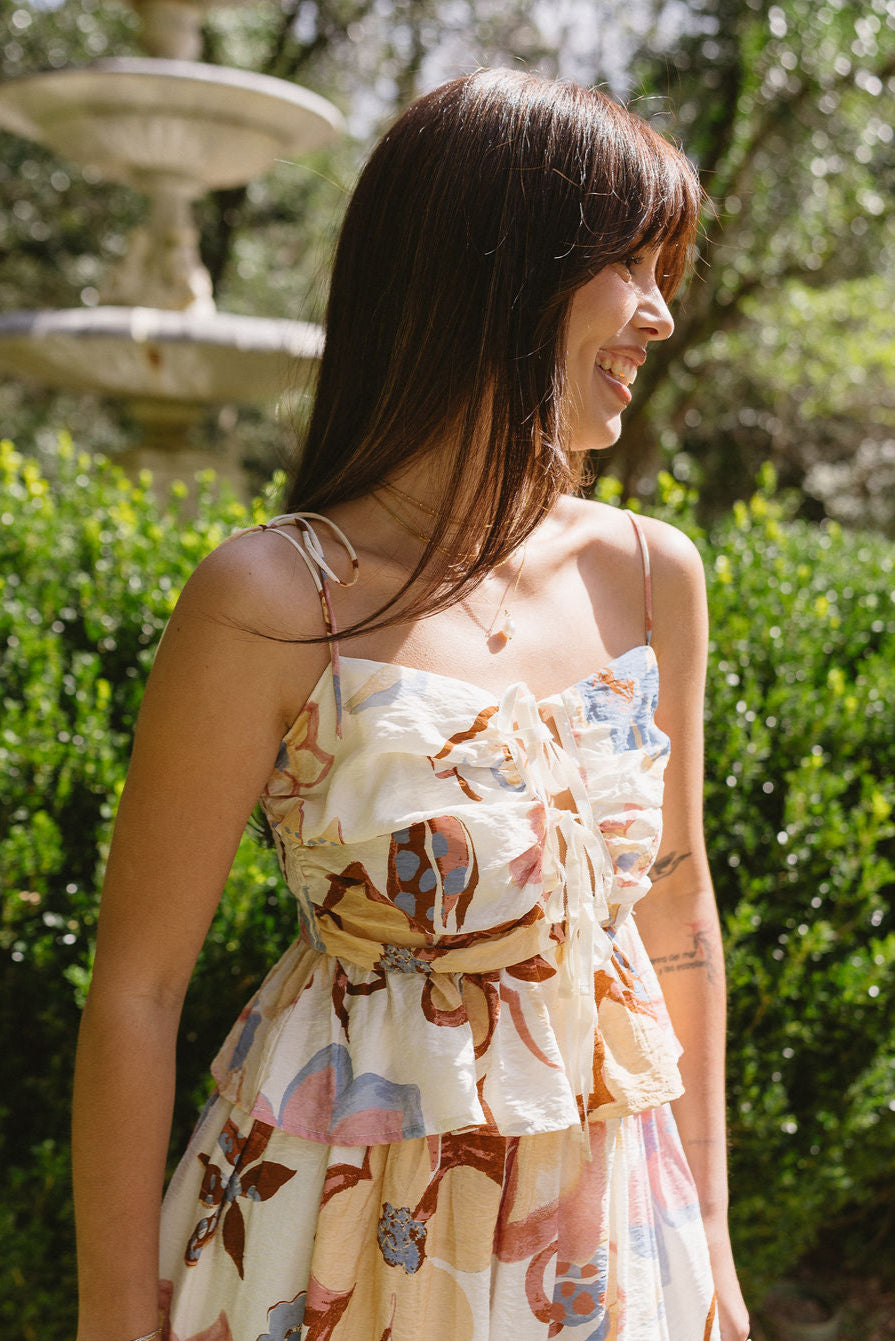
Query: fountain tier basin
143, 352
134, 120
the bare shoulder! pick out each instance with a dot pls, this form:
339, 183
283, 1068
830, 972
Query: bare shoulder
256, 581
680, 617
673, 556
676, 569
239, 624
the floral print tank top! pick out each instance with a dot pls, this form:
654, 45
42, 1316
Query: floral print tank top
464, 869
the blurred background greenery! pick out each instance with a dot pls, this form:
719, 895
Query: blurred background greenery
784, 352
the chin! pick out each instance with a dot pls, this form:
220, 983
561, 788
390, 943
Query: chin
600, 441
596, 437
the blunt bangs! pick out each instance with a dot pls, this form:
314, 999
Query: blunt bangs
654, 195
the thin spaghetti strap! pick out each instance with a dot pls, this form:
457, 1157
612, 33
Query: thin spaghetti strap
307, 543
647, 578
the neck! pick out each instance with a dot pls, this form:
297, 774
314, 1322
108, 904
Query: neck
417, 494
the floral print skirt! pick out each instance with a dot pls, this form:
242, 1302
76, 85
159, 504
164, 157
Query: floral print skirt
463, 1237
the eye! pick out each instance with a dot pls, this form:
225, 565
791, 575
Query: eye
630, 264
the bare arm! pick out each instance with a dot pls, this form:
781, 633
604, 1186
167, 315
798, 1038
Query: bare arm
679, 920
216, 705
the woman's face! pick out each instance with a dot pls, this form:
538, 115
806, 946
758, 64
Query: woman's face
612, 319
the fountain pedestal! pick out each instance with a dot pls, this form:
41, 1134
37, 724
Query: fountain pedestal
173, 129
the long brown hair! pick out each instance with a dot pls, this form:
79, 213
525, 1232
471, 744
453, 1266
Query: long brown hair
483, 209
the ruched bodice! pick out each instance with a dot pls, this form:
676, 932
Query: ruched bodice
464, 868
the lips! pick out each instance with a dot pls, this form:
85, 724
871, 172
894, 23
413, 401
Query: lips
617, 386
619, 367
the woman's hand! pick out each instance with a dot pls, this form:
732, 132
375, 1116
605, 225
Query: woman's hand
733, 1316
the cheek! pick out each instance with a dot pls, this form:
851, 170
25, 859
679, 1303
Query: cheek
597, 323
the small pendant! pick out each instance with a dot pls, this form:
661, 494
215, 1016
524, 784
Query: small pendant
500, 637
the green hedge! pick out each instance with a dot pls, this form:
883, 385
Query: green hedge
800, 798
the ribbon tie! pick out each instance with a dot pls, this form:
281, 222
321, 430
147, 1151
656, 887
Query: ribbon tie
577, 869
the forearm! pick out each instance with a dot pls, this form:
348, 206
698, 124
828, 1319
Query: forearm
124, 1085
682, 936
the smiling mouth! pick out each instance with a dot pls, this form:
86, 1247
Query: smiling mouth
617, 386
618, 367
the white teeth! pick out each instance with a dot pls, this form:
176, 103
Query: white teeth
622, 369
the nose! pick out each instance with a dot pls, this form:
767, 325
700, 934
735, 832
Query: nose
653, 318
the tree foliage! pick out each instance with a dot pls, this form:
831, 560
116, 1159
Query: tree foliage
785, 108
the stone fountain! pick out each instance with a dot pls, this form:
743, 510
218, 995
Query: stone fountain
173, 129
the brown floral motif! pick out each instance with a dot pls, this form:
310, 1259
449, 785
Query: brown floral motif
461, 782
536, 969
343, 1177
445, 1016
249, 1177
343, 986
427, 858
543, 1307
481, 997
623, 985
624, 688
478, 726
323, 1310
387, 1334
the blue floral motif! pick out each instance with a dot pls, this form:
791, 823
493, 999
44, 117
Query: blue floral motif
245, 1041
406, 863
630, 721
409, 682
284, 1320
401, 1238
581, 1293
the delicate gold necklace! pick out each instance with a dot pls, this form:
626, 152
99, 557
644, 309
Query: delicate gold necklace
420, 535
408, 498
500, 637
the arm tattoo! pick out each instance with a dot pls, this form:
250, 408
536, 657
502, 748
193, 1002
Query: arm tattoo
700, 956
667, 865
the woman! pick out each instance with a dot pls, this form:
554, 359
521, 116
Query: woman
446, 1113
